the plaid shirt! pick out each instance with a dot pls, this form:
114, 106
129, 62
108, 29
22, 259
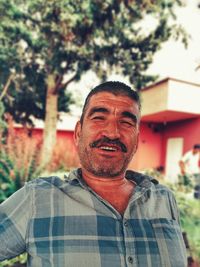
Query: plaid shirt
64, 223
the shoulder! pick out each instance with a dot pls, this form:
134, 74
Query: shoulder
68, 183
149, 182
45, 182
140, 178
187, 155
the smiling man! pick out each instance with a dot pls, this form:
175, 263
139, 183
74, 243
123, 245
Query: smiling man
102, 215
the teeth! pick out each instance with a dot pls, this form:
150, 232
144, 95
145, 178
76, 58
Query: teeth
108, 148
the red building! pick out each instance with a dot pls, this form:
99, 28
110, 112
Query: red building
170, 124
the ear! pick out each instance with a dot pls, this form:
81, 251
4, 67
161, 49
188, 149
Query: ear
137, 141
77, 132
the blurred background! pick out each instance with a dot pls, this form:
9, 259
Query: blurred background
52, 53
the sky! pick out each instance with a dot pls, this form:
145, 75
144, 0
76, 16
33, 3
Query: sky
173, 60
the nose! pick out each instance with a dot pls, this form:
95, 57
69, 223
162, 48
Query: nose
111, 130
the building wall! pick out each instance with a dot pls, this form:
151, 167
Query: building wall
156, 94
63, 137
65, 147
178, 95
189, 130
151, 151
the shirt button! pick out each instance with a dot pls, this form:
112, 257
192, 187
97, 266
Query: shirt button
130, 259
125, 223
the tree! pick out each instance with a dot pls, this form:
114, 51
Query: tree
45, 45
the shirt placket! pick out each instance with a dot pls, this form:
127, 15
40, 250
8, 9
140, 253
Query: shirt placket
130, 258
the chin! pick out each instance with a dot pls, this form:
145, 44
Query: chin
107, 172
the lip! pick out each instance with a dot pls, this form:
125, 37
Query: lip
109, 147
108, 153
106, 142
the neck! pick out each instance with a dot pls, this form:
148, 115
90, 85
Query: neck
98, 181
116, 190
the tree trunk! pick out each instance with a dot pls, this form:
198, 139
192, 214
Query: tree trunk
49, 134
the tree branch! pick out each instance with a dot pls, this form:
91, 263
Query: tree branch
69, 81
63, 85
5, 89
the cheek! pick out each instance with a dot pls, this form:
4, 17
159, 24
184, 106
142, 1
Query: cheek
132, 140
84, 141
91, 133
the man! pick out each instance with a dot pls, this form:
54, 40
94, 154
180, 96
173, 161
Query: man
102, 215
189, 167
189, 163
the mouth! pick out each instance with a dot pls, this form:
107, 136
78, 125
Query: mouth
108, 148
106, 144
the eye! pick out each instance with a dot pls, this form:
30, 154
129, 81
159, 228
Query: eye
98, 118
127, 123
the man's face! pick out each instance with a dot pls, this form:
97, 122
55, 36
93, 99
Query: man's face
196, 151
108, 137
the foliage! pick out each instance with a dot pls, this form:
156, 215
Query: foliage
45, 45
40, 38
190, 221
155, 173
64, 157
189, 216
19, 161
2, 122
15, 262
185, 183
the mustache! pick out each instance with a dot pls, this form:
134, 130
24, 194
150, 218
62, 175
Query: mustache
106, 141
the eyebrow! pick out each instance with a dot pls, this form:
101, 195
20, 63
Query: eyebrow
130, 115
126, 114
96, 110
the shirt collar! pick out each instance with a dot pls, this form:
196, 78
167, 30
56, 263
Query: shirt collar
141, 180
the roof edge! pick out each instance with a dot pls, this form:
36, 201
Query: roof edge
166, 79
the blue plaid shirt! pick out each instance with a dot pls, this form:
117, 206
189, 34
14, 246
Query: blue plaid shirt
64, 223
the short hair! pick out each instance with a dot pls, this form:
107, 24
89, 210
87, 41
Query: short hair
114, 87
196, 146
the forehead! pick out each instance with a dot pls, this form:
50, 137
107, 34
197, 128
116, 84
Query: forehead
111, 101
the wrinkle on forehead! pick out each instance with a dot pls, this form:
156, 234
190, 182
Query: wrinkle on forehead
115, 99
114, 104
